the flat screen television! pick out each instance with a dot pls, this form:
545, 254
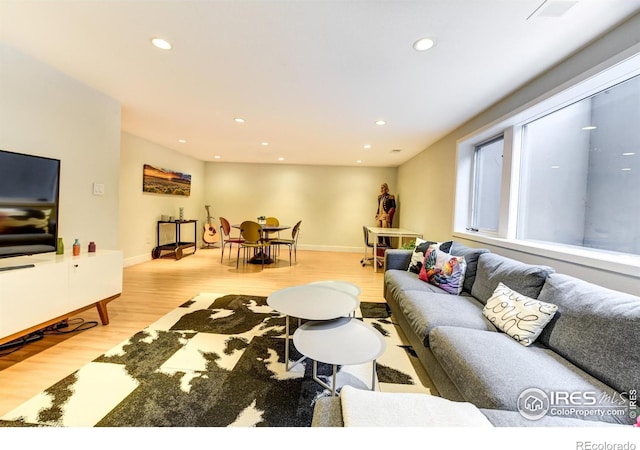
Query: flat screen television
29, 187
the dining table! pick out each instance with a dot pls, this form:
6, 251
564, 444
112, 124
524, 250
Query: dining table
261, 257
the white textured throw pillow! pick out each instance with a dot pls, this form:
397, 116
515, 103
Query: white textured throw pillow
521, 317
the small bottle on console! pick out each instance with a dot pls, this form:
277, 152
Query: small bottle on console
76, 248
92, 247
60, 247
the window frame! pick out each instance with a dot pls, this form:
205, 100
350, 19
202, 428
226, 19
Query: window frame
473, 220
511, 127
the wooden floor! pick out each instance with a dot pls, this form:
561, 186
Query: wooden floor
152, 289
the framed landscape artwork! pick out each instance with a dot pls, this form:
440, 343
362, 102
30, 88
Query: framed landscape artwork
162, 181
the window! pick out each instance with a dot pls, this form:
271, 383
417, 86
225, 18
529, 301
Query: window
487, 185
580, 176
560, 176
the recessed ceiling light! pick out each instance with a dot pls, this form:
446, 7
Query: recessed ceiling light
264, 143
182, 141
216, 157
161, 43
281, 159
628, 154
380, 122
590, 127
359, 161
626, 169
555, 167
424, 44
239, 120
367, 146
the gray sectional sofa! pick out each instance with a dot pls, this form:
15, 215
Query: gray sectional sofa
586, 360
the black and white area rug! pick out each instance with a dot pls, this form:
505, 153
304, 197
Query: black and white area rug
216, 361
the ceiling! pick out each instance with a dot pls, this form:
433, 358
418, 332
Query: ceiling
309, 77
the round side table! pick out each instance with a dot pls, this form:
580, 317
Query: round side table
311, 302
341, 341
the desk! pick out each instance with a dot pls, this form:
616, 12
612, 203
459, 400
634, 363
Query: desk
376, 232
266, 229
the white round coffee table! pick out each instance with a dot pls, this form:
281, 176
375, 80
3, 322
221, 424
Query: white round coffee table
311, 303
341, 341
345, 286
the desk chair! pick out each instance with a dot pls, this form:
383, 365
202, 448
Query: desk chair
225, 230
376, 259
251, 232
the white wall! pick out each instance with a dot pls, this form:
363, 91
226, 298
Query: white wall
140, 211
426, 182
332, 202
44, 112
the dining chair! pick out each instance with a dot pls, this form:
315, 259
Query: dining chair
251, 232
291, 243
227, 239
273, 222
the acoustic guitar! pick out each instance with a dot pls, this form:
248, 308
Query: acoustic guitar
209, 235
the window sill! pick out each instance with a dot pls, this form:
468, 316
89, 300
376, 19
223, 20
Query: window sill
619, 263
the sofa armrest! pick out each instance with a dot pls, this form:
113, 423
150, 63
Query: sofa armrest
398, 259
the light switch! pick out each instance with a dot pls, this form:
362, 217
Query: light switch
98, 189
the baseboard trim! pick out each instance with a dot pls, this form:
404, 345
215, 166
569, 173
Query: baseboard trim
132, 261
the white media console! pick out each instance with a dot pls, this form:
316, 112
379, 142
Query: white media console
40, 290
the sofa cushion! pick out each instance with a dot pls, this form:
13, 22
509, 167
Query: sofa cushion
362, 408
521, 317
397, 258
524, 278
491, 370
443, 270
596, 328
471, 256
400, 280
417, 256
426, 310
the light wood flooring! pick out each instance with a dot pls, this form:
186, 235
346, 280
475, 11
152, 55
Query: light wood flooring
154, 288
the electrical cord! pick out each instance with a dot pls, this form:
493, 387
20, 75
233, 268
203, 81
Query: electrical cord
81, 325
15, 345
21, 342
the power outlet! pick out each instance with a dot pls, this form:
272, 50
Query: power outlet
98, 189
